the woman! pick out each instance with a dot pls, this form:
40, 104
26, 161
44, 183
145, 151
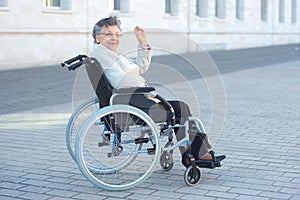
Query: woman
124, 73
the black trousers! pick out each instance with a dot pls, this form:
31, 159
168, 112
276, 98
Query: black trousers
159, 112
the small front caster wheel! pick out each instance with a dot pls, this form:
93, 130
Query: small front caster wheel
192, 177
166, 161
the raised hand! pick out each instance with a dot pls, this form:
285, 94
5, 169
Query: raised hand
141, 36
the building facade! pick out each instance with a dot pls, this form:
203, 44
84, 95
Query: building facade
36, 33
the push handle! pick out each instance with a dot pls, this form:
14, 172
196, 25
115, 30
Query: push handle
75, 62
76, 65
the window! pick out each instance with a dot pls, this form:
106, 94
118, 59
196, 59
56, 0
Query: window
58, 4
264, 10
281, 11
53, 3
168, 6
220, 9
3, 3
121, 5
202, 8
171, 7
294, 11
117, 5
240, 9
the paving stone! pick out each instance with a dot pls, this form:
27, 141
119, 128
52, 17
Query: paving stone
9, 198
143, 196
270, 188
290, 190
10, 193
195, 197
249, 197
275, 195
61, 193
222, 195
237, 184
167, 194
35, 189
115, 194
9, 185
260, 135
295, 197
89, 196
29, 195
245, 191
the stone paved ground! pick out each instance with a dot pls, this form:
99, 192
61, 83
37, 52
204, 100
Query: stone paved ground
260, 138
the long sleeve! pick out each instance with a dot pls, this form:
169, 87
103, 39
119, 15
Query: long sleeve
143, 59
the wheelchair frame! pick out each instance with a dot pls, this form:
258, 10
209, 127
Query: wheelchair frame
100, 173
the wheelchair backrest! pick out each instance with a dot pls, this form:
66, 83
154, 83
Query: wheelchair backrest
101, 85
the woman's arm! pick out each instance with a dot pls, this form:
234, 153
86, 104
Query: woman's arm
140, 35
144, 51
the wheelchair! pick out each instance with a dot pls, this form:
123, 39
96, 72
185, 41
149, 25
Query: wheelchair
117, 146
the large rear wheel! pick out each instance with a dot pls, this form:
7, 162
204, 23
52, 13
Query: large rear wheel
126, 158
76, 121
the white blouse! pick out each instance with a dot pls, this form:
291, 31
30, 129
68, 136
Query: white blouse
120, 71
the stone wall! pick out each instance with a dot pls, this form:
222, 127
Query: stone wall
31, 35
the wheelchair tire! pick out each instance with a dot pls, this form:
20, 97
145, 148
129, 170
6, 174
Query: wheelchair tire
191, 177
76, 120
128, 168
166, 161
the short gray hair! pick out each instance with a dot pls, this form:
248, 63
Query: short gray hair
109, 21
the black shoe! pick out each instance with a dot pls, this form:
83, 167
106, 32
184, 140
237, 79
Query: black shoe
210, 163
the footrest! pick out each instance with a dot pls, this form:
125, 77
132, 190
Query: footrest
210, 163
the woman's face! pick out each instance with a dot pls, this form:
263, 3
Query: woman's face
109, 37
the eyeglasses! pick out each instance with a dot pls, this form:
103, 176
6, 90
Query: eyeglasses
110, 35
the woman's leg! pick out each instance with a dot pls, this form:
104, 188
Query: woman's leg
200, 145
158, 112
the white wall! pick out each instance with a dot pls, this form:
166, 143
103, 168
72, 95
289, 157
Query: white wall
31, 35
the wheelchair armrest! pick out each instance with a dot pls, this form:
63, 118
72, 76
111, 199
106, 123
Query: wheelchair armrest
135, 90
